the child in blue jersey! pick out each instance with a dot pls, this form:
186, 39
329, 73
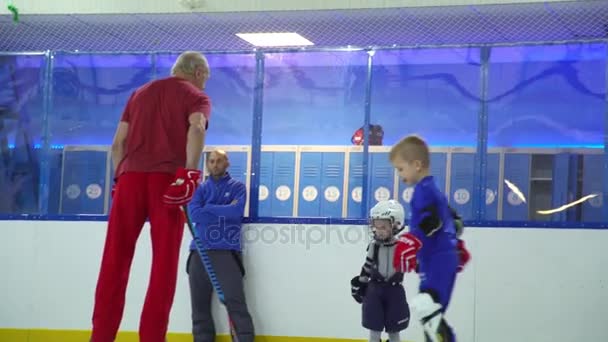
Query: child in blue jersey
431, 247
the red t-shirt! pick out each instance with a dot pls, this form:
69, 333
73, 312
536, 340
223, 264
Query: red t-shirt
157, 114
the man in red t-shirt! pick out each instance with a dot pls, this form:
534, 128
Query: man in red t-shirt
155, 153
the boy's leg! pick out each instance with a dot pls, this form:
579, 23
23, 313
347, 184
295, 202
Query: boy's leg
166, 229
427, 309
127, 217
446, 331
230, 279
434, 298
374, 336
394, 337
203, 328
444, 334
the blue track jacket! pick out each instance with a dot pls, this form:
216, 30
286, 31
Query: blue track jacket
217, 220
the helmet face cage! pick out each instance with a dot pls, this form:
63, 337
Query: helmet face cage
376, 224
384, 213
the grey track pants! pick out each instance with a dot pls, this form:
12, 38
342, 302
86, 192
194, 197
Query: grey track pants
228, 273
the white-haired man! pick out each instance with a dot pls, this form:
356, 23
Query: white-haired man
155, 153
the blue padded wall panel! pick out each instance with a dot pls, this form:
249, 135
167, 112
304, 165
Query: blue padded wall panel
560, 185
439, 162
461, 184
492, 179
283, 183
573, 184
238, 166
593, 178
311, 169
266, 167
382, 178
516, 171
321, 184
55, 164
355, 183
84, 182
332, 183
277, 178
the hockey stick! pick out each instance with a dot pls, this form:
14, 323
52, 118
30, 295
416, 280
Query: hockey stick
209, 268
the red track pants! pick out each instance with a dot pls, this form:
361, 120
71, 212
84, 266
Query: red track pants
138, 196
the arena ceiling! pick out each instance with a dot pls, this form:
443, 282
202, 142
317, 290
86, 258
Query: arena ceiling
394, 27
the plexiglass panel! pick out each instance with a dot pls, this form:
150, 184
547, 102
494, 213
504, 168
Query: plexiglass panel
22, 89
313, 104
547, 116
435, 94
545, 108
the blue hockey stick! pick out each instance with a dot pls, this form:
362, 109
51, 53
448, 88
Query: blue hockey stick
209, 267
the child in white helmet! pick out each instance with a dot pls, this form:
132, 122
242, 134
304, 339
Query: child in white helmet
379, 286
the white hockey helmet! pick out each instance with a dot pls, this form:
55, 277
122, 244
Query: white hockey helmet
389, 210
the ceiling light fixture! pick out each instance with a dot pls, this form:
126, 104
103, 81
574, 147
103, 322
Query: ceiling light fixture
274, 39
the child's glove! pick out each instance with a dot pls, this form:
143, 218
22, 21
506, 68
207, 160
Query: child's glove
406, 249
463, 255
357, 289
458, 223
181, 191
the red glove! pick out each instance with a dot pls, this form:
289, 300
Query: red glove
404, 259
182, 189
463, 255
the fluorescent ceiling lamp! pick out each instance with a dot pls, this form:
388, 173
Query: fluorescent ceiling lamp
275, 39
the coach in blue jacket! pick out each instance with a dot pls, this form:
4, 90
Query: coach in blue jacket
217, 211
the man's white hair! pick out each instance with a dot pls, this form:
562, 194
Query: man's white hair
188, 61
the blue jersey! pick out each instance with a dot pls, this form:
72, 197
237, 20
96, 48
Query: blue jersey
437, 259
217, 211
429, 200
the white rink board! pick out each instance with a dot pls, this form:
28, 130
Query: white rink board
522, 284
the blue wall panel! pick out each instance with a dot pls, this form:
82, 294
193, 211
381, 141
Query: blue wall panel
439, 162
382, 178
55, 164
574, 186
332, 183
311, 193
561, 193
84, 182
238, 166
405, 196
355, 183
461, 184
321, 184
266, 167
516, 171
593, 176
277, 176
492, 179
